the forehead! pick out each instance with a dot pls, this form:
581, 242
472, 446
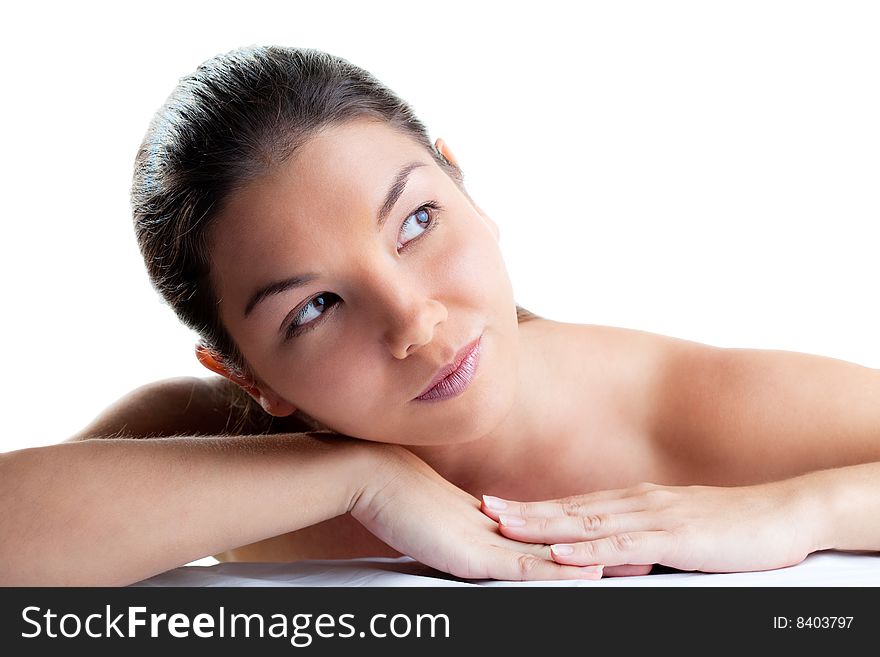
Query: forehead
346, 165
357, 154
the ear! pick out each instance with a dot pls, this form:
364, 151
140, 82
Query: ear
444, 150
262, 394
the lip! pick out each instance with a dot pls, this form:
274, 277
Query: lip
451, 380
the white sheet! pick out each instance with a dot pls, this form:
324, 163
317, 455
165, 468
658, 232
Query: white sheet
829, 568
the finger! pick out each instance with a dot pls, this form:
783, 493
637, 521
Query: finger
541, 550
627, 571
516, 566
637, 548
602, 502
573, 529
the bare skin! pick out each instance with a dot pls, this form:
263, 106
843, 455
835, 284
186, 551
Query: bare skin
607, 445
718, 417
555, 409
616, 443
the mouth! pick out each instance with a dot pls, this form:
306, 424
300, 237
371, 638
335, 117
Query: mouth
454, 378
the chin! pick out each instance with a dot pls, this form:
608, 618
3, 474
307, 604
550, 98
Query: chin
472, 416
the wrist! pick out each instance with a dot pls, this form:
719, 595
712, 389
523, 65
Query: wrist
816, 500
350, 467
377, 465
848, 504
383, 465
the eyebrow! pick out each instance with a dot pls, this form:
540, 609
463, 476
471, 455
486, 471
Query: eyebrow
394, 191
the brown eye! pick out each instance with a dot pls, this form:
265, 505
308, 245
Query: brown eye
314, 308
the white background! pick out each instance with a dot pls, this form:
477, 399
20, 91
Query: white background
703, 170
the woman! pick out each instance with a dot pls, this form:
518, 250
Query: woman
293, 212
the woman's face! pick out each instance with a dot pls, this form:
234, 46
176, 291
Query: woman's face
389, 289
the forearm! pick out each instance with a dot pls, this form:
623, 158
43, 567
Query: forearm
844, 505
114, 511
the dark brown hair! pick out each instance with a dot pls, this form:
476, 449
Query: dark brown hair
234, 118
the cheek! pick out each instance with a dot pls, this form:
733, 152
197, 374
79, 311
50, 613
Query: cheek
348, 395
329, 383
474, 271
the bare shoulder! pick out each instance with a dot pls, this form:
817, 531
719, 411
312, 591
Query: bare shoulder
625, 355
648, 367
605, 337
185, 405
627, 372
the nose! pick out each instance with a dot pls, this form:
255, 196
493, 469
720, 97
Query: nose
412, 318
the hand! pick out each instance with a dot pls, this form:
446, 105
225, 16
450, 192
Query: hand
418, 513
705, 528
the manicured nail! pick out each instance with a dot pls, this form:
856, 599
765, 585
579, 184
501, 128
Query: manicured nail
562, 550
593, 571
495, 503
512, 521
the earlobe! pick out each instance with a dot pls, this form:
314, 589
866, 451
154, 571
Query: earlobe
276, 406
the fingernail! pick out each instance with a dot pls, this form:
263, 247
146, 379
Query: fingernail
512, 521
562, 550
593, 571
495, 503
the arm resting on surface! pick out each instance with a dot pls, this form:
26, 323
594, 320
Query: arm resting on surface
111, 510
847, 507
177, 406
191, 406
705, 528
115, 511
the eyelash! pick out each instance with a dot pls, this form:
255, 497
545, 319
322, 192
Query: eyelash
293, 329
